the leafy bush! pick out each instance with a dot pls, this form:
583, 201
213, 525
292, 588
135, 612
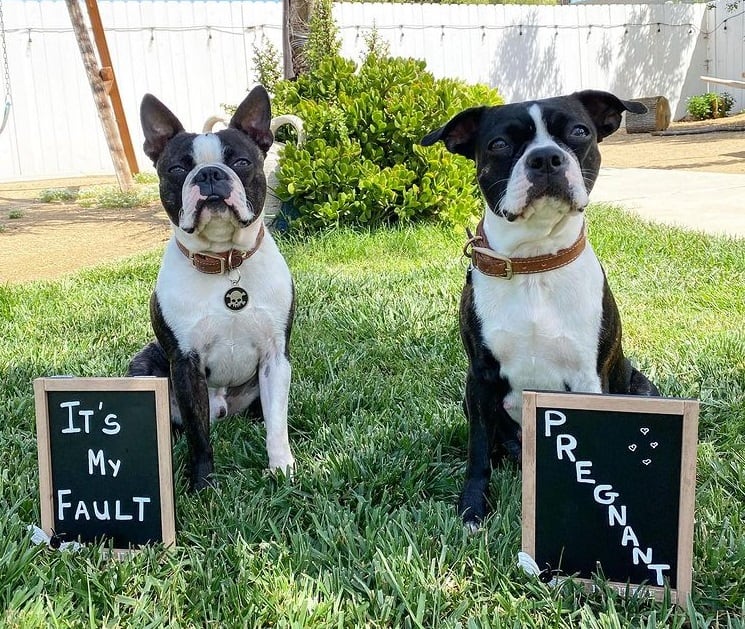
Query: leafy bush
266, 60
362, 163
323, 35
710, 105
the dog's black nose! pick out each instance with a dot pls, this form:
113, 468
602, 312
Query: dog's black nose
547, 159
214, 183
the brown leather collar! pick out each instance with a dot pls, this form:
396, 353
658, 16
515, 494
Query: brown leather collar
214, 263
492, 263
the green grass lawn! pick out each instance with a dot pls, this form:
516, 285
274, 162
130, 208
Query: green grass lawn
367, 534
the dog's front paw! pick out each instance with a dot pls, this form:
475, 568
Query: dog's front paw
514, 450
472, 508
284, 463
201, 475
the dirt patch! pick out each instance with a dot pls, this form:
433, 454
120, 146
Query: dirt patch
711, 148
48, 240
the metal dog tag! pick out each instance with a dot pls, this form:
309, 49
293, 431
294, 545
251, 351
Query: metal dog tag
236, 298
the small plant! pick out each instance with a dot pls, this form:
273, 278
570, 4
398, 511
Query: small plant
146, 178
323, 37
58, 195
143, 193
710, 105
17, 213
267, 63
113, 197
375, 46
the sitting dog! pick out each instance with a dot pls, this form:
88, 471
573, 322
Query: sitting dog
224, 300
536, 311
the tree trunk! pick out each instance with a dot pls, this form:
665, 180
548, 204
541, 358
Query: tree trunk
287, 70
296, 22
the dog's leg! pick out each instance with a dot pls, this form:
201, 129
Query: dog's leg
189, 387
491, 432
617, 375
473, 498
192, 397
151, 360
274, 389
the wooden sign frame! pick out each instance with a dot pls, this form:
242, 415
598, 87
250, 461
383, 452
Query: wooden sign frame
687, 410
67, 384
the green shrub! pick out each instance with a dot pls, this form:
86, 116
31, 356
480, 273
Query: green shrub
323, 35
362, 163
710, 105
266, 59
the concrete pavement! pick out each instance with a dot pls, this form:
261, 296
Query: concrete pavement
704, 201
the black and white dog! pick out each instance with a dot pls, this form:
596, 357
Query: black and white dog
224, 300
536, 311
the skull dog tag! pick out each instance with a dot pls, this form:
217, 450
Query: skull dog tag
236, 298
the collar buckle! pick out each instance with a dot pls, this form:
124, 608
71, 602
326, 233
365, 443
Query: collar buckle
199, 266
507, 273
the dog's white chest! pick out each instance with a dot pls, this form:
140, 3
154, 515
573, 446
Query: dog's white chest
544, 328
230, 343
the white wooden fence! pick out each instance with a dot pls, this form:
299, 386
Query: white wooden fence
197, 54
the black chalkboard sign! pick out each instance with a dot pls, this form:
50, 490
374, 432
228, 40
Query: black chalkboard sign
105, 472
608, 488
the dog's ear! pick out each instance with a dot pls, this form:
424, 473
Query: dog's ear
158, 124
605, 109
254, 116
458, 135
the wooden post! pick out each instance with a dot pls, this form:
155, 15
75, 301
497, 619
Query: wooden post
103, 105
287, 64
109, 78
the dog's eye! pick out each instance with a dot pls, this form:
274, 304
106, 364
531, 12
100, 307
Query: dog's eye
500, 144
580, 131
241, 163
177, 169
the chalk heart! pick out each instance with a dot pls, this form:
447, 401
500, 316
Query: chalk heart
647, 461
654, 444
644, 431
632, 447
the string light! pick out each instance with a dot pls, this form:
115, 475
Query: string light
240, 30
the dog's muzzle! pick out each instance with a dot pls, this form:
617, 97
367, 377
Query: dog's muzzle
214, 185
213, 188
546, 170
552, 173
